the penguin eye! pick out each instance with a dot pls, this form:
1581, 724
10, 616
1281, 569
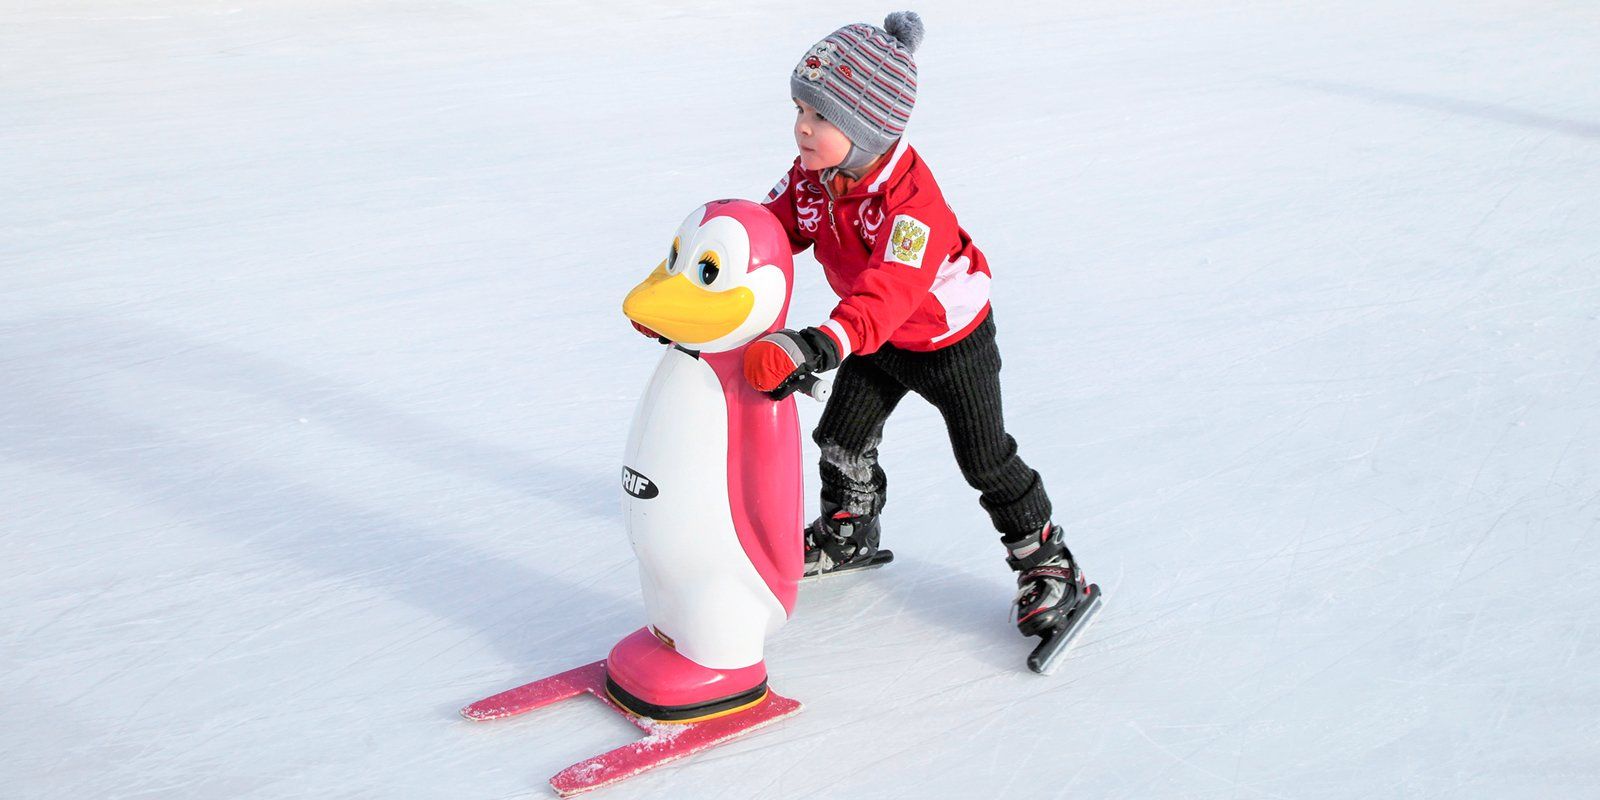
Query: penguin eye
709, 268
672, 257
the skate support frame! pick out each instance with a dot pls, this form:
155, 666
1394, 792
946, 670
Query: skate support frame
663, 741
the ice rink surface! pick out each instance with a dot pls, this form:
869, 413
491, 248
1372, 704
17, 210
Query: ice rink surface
314, 386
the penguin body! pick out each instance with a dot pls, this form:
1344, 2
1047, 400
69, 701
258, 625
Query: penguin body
712, 487
702, 588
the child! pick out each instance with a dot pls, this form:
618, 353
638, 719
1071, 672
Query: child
913, 316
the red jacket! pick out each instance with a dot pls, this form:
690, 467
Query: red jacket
905, 272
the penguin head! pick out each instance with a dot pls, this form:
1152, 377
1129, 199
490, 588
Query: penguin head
726, 279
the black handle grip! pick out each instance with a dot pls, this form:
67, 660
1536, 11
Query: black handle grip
816, 388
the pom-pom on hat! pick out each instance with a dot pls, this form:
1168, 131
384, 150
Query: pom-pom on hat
863, 79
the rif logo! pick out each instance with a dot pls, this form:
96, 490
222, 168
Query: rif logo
638, 485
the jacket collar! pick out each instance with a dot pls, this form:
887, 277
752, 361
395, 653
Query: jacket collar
873, 182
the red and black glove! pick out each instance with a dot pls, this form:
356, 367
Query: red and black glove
650, 333
777, 362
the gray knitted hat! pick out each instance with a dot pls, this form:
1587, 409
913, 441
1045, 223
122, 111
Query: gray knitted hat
863, 79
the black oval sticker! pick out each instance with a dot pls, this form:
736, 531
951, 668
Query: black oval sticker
638, 485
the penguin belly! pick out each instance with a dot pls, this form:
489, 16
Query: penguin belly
700, 588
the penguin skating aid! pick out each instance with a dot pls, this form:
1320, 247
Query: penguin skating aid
712, 496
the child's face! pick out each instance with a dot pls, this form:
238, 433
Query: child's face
821, 145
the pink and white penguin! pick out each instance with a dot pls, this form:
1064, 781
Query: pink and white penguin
711, 478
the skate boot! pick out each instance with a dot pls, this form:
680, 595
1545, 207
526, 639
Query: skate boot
1054, 601
838, 541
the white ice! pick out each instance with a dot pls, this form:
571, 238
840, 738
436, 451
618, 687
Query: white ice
314, 384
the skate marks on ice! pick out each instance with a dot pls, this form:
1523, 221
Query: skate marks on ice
914, 605
213, 488
81, 356
1494, 112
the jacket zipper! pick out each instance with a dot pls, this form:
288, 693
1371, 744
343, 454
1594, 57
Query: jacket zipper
832, 225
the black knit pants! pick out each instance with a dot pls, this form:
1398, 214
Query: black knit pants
963, 382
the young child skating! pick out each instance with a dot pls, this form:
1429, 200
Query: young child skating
913, 315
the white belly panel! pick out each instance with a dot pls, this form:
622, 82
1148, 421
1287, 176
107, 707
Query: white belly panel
699, 586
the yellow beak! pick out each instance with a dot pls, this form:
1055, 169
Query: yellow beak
681, 310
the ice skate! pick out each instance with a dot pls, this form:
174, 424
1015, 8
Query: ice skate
1054, 601
838, 542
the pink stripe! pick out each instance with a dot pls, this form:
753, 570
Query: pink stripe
766, 494
903, 96
874, 117
889, 52
765, 484
873, 92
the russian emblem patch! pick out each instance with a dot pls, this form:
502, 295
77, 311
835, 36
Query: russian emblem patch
907, 239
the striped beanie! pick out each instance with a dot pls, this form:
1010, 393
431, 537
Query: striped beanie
863, 80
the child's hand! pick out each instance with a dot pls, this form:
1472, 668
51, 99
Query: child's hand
650, 333
777, 362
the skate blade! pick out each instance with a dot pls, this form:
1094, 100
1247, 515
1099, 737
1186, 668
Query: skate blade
878, 559
1053, 650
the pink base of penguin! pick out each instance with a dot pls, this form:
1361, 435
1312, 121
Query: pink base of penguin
650, 678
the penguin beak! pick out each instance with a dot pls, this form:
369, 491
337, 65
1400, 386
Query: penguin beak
681, 310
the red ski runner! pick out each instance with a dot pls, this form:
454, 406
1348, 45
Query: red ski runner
664, 742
